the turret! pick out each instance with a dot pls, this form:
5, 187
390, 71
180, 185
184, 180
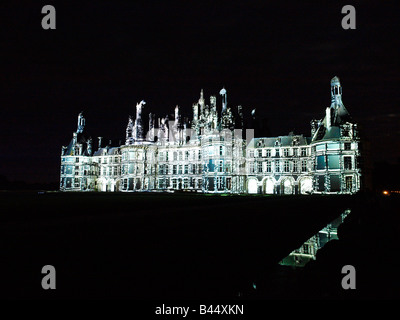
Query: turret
151, 127
224, 99
336, 92
100, 138
89, 146
129, 129
201, 101
81, 123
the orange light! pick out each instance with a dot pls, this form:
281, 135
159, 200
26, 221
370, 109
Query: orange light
385, 192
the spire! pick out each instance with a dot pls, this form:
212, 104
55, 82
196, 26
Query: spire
336, 92
201, 101
224, 99
81, 123
339, 112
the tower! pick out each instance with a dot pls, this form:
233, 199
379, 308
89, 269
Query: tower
336, 92
129, 129
224, 99
201, 101
151, 127
338, 113
138, 130
81, 123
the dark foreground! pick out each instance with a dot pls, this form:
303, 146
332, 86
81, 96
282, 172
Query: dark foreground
167, 246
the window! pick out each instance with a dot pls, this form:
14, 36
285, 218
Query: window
259, 153
295, 164
259, 167
251, 154
166, 156
268, 153
303, 165
186, 169
174, 183
175, 156
347, 146
180, 169
285, 152
333, 161
220, 166
320, 162
347, 163
199, 155
251, 167
220, 183
180, 155
349, 183
174, 169
303, 152
77, 159
286, 166
277, 152
277, 166
268, 166
295, 152
186, 155
228, 183
220, 150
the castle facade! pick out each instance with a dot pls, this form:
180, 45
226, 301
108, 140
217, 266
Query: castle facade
214, 153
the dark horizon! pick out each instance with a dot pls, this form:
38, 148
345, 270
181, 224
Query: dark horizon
103, 58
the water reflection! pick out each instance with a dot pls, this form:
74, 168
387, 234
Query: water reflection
308, 251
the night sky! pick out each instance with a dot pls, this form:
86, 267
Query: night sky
104, 57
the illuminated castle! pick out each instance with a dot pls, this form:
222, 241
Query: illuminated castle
213, 153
